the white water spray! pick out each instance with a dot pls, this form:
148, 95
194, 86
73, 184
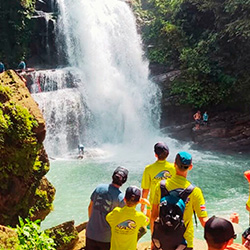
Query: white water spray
104, 50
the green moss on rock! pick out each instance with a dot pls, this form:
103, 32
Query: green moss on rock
23, 160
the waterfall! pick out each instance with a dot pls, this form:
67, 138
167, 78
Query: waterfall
104, 96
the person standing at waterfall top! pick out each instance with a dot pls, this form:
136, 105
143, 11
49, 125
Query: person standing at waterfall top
153, 173
103, 200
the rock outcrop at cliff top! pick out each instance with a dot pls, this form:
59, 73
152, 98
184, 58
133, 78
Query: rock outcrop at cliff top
24, 191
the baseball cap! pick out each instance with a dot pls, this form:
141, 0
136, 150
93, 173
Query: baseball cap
120, 175
133, 193
184, 158
161, 147
220, 230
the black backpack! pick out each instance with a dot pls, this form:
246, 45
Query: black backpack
169, 226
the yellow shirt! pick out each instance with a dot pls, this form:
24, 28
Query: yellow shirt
125, 223
195, 202
154, 173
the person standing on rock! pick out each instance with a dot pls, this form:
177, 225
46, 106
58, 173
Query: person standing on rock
197, 119
2, 68
103, 200
205, 118
153, 173
22, 66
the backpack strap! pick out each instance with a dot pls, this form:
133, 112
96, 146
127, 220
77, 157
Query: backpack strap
184, 196
164, 191
186, 192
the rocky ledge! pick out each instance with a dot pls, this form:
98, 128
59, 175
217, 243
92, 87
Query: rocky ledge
227, 132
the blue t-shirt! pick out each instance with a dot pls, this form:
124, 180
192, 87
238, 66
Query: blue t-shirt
105, 198
2, 69
205, 117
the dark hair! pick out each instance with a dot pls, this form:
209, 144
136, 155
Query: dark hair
163, 155
120, 176
131, 203
178, 162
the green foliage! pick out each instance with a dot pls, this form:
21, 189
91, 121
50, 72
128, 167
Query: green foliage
15, 30
43, 202
8, 241
209, 40
32, 238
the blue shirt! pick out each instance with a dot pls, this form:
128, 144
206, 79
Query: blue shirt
205, 117
105, 198
2, 69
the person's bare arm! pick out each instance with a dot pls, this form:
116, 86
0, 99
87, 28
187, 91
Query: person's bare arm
235, 247
203, 220
154, 215
90, 208
144, 195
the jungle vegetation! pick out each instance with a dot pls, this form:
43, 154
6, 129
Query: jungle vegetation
209, 41
15, 30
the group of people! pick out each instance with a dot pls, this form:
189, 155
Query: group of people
21, 67
114, 223
199, 121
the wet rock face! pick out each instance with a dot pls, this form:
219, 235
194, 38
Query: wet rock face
43, 47
23, 160
227, 131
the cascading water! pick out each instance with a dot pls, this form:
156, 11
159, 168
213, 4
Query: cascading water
112, 101
104, 99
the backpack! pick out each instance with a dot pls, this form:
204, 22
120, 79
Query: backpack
169, 227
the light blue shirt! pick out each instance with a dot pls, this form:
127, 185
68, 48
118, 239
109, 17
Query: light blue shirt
205, 117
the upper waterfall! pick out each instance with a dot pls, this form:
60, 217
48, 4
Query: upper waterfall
109, 74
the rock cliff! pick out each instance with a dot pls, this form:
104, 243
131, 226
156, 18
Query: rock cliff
24, 191
227, 131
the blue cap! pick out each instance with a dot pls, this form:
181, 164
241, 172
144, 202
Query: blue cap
185, 158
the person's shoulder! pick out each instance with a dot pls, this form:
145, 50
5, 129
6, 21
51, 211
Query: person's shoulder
149, 166
196, 191
102, 186
140, 214
170, 164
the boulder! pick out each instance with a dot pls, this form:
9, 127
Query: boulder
8, 238
24, 191
64, 235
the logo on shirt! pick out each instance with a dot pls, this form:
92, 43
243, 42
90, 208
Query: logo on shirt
126, 225
162, 175
103, 203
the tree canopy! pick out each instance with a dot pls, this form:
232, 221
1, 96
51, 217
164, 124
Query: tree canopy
209, 41
15, 30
